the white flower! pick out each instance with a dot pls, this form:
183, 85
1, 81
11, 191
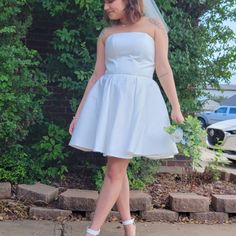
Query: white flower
183, 141
177, 135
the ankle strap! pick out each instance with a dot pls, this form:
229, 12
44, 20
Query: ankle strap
92, 232
128, 222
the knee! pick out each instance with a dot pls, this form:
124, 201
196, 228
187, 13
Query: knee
116, 171
115, 175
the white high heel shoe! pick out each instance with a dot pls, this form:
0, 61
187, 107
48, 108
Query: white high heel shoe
96, 232
92, 231
129, 222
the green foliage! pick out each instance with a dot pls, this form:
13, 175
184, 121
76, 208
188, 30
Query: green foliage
193, 139
21, 92
47, 161
22, 89
43, 160
71, 65
13, 164
213, 165
219, 98
99, 177
138, 176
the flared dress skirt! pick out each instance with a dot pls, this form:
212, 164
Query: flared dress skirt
124, 116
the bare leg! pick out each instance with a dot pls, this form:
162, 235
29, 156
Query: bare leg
122, 202
115, 172
123, 206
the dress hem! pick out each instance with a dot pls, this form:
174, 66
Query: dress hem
150, 156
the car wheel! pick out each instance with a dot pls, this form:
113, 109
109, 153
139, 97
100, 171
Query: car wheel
202, 122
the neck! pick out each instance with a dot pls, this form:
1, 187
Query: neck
124, 21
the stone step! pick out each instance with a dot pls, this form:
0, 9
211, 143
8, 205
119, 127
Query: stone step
48, 213
5, 190
224, 203
37, 192
160, 215
210, 216
189, 202
139, 201
78, 200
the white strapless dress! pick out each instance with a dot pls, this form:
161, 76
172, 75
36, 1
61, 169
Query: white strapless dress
124, 114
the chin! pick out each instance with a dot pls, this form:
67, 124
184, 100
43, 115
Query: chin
113, 17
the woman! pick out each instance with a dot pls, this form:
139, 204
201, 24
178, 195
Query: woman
122, 113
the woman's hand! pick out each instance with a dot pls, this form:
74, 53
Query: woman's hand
176, 115
72, 125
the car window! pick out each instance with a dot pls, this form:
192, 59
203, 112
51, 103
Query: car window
221, 110
232, 110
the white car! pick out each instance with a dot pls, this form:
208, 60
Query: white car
224, 131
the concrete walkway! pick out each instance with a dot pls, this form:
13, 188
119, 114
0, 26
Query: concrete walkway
50, 228
208, 155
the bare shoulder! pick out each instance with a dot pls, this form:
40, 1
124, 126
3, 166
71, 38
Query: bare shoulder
105, 32
102, 34
155, 24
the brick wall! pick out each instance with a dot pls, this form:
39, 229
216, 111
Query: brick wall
39, 37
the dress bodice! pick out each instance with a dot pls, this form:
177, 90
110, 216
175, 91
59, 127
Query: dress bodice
130, 53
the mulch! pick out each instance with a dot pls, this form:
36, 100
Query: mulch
199, 183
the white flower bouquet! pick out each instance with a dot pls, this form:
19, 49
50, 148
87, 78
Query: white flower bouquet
189, 138
178, 136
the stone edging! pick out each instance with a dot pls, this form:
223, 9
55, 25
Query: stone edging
196, 206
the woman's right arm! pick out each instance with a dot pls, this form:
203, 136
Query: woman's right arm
99, 69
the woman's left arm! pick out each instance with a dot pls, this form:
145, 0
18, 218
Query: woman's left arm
164, 71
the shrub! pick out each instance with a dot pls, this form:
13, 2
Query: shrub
22, 89
47, 159
137, 174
